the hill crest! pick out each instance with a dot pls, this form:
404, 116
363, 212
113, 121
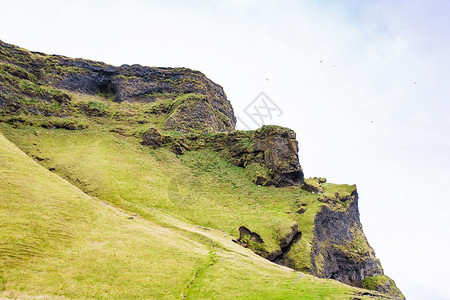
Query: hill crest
153, 140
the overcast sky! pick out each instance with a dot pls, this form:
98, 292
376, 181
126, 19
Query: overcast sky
365, 84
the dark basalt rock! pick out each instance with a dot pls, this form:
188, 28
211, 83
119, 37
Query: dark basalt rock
124, 83
340, 250
138, 83
152, 138
246, 235
280, 154
273, 149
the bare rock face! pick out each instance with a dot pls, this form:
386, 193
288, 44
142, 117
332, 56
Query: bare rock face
210, 111
279, 149
339, 240
341, 251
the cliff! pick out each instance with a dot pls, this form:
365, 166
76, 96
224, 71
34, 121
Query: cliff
157, 141
46, 75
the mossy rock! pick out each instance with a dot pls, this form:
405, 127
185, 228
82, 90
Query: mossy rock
64, 123
383, 284
194, 114
258, 173
313, 185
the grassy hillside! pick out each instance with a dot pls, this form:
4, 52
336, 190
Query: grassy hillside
199, 187
101, 198
56, 241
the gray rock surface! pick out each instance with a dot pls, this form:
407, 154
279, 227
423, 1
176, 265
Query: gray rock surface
124, 83
340, 250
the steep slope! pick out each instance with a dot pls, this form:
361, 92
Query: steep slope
160, 154
58, 242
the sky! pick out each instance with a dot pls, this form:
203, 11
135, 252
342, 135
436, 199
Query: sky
363, 83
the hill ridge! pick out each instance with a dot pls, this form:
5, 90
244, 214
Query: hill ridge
18, 157
174, 151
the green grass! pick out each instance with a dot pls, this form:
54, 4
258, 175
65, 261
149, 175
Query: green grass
199, 187
117, 169
115, 219
57, 241
104, 159
246, 279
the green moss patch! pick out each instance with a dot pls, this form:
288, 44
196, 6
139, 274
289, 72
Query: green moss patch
384, 284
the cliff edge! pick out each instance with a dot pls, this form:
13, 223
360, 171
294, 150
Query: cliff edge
251, 181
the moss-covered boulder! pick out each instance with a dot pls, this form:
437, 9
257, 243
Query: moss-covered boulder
314, 185
152, 138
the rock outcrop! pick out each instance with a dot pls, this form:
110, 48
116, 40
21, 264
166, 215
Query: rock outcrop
269, 154
204, 108
340, 249
279, 153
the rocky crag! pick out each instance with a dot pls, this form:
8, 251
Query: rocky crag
182, 110
46, 75
271, 151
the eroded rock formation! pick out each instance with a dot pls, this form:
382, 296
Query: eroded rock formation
340, 249
270, 154
204, 108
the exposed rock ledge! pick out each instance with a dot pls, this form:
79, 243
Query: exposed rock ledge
210, 111
269, 154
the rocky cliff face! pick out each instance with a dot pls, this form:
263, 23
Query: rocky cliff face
340, 249
205, 109
277, 148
